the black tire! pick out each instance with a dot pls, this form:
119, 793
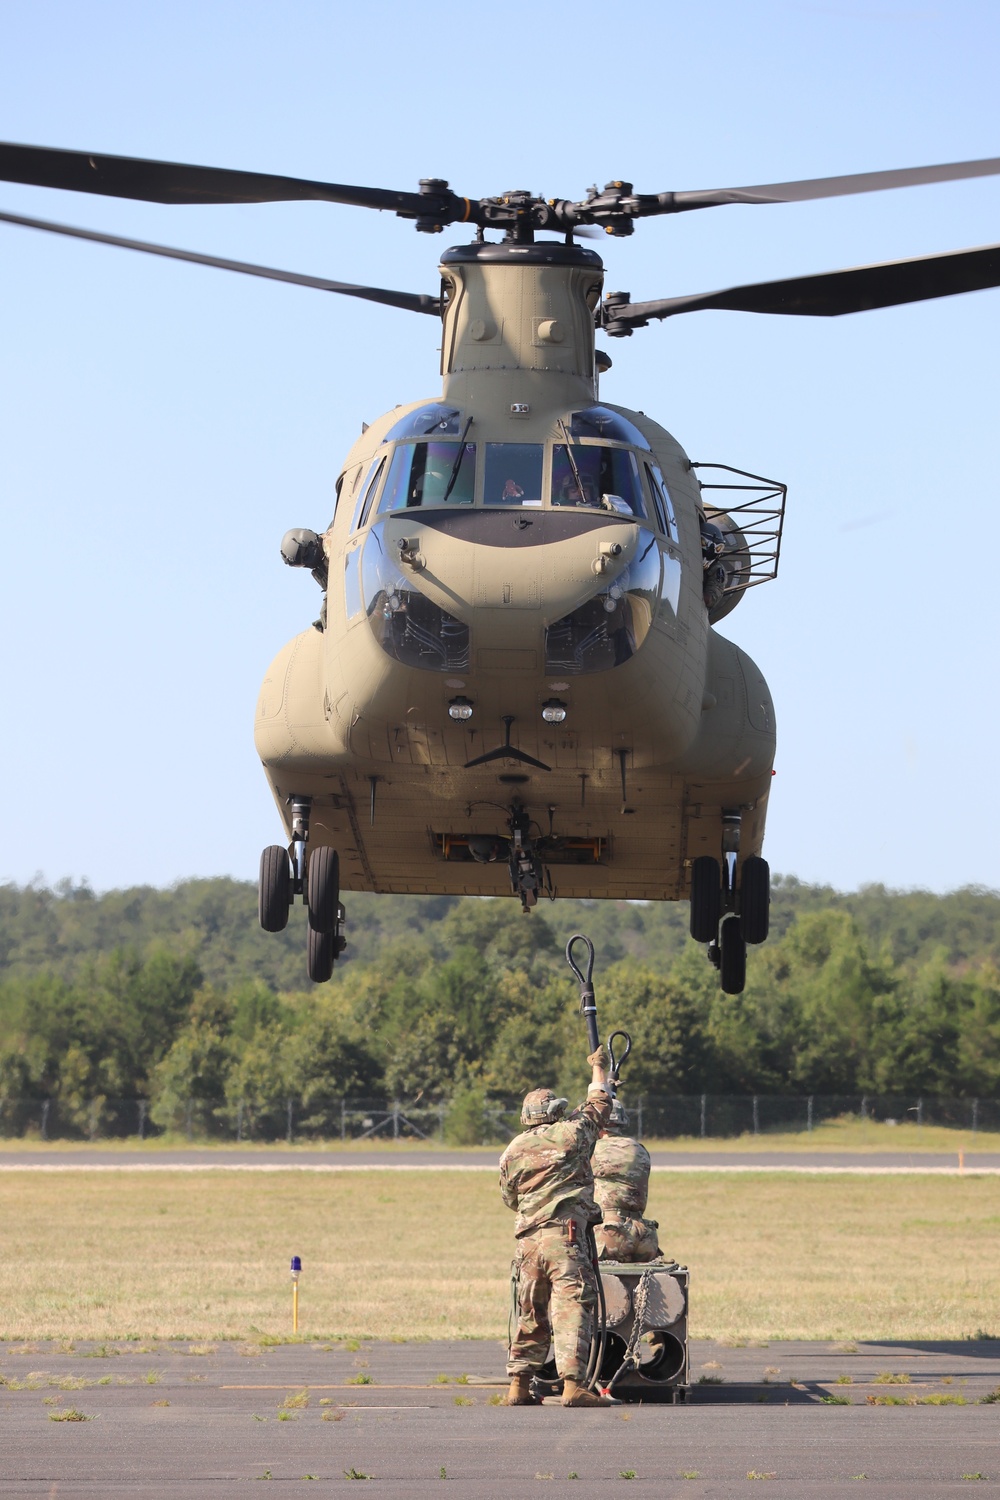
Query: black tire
733, 956
323, 889
274, 889
320, 955
706, 898
755, 899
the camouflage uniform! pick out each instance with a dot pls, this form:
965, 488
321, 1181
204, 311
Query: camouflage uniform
545, 1176
621, 1187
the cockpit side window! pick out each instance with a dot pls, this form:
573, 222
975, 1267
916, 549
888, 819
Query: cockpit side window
367, 495
662, 501
430, 474
605, 478
513, 474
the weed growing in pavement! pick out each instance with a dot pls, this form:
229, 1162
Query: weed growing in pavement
844, 1380
770, 1373
353, 1473
442, 1380
849, 1348
287, 1416
159, 1403
886, 1377
464, 1401
152, 1377
461, 1379
710, 1380
71, 1414
689, 1474
361, 1379
835, 1400
497, 1399
201, 1349
990, 1398
977, 1475
443, 1473
103, 1351
891, 1400
857, 1476
352, 1345
572, 1474
942, 1401
627, 1474
333, 1416
758, 1474
266, 1475
296, 1400
310, 1476
545, 1476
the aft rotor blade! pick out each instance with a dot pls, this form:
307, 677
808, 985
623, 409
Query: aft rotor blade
825, 187
177, 182
409, 301
833, 293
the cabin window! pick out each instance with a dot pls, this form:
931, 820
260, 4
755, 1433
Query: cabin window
430, 474
602, 422
662, 501
409, 627
609, 629
436, 419
513, 474
352, 585
367, 495
605, 478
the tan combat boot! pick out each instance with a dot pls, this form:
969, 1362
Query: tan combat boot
520, 1391
575, 1394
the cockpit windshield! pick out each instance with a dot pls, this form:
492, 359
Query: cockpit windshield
513, 474
605, 478
430, 474
602, 422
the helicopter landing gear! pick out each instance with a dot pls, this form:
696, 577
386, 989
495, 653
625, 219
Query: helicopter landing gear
274, 889
324, 948
323, 889
755, 899
727, 915
526, 875
732, 951
706, 898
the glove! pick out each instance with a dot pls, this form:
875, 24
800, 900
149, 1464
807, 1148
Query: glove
600, 1058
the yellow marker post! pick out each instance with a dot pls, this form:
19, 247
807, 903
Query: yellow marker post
961, 1163
296, 1271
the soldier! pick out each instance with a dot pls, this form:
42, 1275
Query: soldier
621, 1187
546, 1178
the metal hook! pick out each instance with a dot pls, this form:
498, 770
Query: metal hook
618, 1062
588, 1006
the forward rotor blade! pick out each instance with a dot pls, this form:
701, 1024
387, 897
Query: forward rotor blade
176, 182
409, 301
828, 187
833, 293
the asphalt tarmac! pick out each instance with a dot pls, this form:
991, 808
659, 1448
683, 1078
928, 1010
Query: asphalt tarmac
275, 1158
193, 1421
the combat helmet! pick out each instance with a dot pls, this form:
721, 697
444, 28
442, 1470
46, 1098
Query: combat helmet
618, 1118
541, 1107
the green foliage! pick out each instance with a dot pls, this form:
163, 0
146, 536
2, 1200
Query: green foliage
176, 997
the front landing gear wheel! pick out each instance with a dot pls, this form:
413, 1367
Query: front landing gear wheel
706, 898
323, 889
732, 956
274, 889
755, 898
320, 955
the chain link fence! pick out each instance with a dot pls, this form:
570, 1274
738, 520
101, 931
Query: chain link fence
470, 1118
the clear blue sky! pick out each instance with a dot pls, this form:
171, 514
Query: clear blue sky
162, 425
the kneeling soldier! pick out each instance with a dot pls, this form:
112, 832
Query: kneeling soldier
621, 1187
546, 1178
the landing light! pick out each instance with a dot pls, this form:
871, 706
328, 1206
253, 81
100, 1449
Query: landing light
460, 708
554, 711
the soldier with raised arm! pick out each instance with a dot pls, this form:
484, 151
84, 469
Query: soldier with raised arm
621, 1186
546, 1179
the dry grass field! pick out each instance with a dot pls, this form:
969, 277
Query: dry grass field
205, 1256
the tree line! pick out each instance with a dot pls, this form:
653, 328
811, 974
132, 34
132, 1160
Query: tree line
176, 997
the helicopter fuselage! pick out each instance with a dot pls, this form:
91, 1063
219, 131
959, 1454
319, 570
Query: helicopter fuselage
515, 625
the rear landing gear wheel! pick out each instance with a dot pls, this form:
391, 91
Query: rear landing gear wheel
706, 898
274, 889
732, 956
320, 955
755, 898
323, 889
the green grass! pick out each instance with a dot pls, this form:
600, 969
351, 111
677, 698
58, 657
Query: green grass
426, 1255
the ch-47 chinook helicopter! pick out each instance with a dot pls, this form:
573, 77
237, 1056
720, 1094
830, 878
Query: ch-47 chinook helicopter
515, 680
